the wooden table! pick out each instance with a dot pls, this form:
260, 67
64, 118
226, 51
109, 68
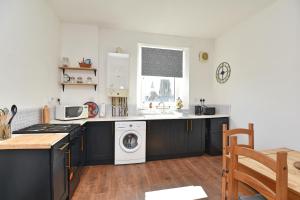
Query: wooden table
268, 176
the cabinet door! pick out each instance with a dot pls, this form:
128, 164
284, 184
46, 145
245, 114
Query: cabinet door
25, 174
179, 137
196, 136
76, 154
100, 143
216, 124
158, 139
215, 143
214, 135
60, 160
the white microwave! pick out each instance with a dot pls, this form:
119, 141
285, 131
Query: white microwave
72, 112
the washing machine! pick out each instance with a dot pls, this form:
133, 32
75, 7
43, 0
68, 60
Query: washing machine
130, 142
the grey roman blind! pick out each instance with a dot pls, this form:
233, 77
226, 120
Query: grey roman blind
161, 62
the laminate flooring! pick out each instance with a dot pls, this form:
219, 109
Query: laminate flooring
130, 182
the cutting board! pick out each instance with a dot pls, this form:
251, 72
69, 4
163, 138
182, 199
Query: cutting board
45, 115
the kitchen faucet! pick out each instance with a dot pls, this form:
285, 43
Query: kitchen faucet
163, 103
163, 107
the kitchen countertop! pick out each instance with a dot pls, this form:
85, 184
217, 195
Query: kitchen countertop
47, 140
32, 141
140, 117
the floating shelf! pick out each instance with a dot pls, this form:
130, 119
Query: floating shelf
78, 69
79, 84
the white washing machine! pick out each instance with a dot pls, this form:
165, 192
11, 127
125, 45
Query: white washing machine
130, 142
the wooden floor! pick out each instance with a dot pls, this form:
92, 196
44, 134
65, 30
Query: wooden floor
130, 182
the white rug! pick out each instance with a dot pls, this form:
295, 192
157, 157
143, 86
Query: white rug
181, 193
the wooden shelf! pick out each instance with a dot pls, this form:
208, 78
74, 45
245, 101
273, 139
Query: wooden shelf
79, 84
78, 69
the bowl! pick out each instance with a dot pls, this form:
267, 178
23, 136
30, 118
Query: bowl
84, 65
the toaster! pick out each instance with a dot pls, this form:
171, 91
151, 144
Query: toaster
209, 110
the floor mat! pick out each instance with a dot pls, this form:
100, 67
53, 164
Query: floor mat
180, 193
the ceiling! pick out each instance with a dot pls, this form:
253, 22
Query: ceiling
192, 18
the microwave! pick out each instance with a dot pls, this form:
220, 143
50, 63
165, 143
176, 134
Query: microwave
72, 112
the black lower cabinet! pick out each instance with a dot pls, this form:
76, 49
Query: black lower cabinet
99, 143
196, 137
77, 157
174, 138
214, 143
214, 135
35, 174
43, 173
178, 138
158, 139
60, 164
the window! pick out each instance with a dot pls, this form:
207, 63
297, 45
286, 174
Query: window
158, 89
162, 75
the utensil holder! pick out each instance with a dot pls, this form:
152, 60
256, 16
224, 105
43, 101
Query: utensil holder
5, 132
2, 132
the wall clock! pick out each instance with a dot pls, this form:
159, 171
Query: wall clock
223, 72
203, 56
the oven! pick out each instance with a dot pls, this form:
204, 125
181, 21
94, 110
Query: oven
76, 157
76, 154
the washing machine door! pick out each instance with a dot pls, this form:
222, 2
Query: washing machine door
130, 141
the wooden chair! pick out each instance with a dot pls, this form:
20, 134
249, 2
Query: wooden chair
226, 134
237, 175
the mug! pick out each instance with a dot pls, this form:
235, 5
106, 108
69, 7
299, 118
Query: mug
88, 61
79, 79
89, 80
67, 78
72, 79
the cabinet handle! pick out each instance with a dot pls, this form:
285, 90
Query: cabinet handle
191, 125
69, 160
187, 126
64, 147
148, 126
82, 143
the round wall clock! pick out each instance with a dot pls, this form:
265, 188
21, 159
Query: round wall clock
223, 72
203, 56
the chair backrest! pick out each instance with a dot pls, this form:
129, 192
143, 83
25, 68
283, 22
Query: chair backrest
236, 175
226, 135
239, 131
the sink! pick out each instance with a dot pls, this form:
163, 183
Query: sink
158, 116
168, 115
156, 112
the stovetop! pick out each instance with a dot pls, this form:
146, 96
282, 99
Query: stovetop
48, 128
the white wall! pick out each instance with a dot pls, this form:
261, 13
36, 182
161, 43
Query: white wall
78, 41
264, 87
29, 51
200, 74
108, 39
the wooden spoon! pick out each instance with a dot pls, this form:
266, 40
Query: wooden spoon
6, 112
1, 117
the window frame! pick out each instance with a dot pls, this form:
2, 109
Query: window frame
184, 81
